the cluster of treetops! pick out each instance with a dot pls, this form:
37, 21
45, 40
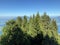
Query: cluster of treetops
35, 30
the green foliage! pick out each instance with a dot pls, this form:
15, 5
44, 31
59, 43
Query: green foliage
54, 25
19, 21
37, 30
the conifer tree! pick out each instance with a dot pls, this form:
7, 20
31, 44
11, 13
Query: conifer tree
54, 25
19, 21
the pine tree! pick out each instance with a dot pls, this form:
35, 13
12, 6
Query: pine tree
32, 32
19, 21
25, 24
45, 20
54, 25
37, 22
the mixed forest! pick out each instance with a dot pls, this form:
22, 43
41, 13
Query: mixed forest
35, 30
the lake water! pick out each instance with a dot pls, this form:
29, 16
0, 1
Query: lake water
4, 19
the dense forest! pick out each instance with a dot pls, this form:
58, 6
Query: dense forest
37, 30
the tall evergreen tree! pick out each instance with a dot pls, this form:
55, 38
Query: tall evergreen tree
19, 21
54, 25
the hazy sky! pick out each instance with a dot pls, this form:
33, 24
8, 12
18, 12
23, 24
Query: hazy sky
28, 7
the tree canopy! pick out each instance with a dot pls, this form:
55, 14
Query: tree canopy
35, 30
